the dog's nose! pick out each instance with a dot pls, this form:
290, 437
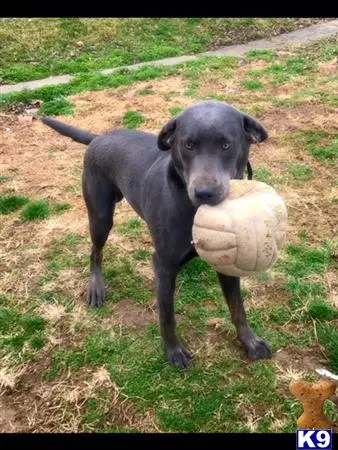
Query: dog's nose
205, 193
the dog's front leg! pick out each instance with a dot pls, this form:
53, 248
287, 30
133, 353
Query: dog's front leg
256, 347
165, 276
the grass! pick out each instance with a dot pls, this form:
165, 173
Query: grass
142, 254
308, 297
11, 203
3, 179
174, 110
146, 91
265, 175
20, 334
124, 283
260, 55
328, 335
301, 172
193, 70
328, 153
304, 260
80, 369
252, 85
42, 209
321, 310
132, 228
321, 145
196, 401
38, 48
133, 119
280, 72
59, 208
60, 257
57, 106
36, 210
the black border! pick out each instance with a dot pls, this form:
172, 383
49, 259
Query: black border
123, 9
271, 441
75, 8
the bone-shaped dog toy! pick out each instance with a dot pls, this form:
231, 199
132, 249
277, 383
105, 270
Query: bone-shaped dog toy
313, 396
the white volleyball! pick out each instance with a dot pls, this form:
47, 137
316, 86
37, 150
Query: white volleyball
242, 235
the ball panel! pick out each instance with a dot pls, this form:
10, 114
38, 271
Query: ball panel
247, 244
219, 257
207, 239
233, 271
213, 218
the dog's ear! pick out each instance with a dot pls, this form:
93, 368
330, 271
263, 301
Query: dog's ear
166, 135
254, 131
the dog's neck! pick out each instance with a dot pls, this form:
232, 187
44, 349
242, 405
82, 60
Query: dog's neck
179, 186
175, 176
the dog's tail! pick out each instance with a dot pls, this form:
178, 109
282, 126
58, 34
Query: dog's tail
78, 135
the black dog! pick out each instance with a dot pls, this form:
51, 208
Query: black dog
165, 178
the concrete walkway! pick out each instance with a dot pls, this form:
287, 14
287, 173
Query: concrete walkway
299, 36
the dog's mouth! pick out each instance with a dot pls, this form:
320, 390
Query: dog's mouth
211, 202
207, 197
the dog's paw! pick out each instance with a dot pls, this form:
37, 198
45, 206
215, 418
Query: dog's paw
179, 356
257, 348
95, 291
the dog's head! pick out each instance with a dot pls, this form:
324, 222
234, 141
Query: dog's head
209, 145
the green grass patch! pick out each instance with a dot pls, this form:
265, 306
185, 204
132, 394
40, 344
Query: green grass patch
145, 91
289, 68
252, 85
142, 255
279, 315
124, 283
3, 179
131, 228
303, 260
328, 153
59, 208
328, 337
260, 55
20, 333
36, 210
324, 49
11, 203
133, 119
321, 310
301, 172
265, 175
174, 110
56, 297
196, 283
42, 209
322, 145
63, 253
57, 107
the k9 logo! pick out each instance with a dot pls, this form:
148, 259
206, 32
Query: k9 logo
317, 439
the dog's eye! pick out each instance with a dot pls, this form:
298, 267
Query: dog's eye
189, 145
225, 146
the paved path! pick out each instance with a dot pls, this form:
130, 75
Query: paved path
313, 32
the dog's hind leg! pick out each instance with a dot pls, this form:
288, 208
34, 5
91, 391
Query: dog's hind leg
100, 197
